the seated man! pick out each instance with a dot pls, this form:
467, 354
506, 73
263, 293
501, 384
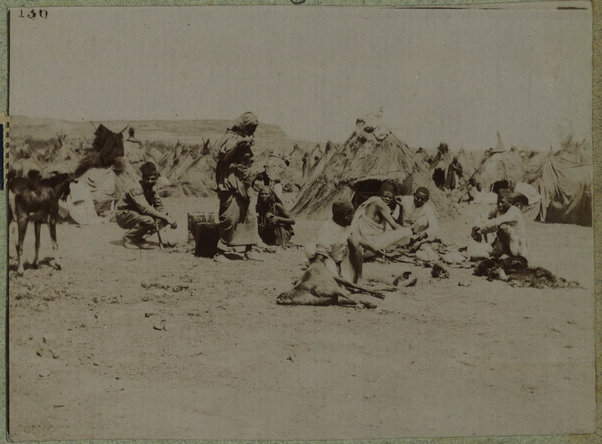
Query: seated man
374, 226
393, 202
274, 222
140, 211
336, 247
469, 192
507, 221
418, 215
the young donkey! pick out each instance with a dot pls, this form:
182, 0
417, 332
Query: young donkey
35, 199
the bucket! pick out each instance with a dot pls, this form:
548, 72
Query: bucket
194, 219
204, 231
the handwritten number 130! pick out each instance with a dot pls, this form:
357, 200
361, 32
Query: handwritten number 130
33, 13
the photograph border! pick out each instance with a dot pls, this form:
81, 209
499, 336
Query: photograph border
597, 184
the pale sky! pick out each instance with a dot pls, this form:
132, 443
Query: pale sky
440, 75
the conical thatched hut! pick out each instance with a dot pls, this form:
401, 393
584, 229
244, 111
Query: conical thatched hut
468, 161
371, 151
189, 169
500, 166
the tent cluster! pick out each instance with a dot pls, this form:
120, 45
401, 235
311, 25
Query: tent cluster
556, 185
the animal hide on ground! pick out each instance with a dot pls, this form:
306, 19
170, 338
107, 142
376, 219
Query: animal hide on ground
517, 273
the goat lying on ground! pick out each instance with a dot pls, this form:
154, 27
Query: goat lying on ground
318, 286
36, 199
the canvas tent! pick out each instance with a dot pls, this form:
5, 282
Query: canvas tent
102, 185
79, 205
370, 151
468, 162
565, 187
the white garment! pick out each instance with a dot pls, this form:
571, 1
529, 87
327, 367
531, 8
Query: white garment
332, 244
419, 219
513, 223
376, 234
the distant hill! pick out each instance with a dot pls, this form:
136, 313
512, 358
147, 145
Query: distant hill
170, 131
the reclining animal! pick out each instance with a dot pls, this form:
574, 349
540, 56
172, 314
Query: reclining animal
36, 199
318, 286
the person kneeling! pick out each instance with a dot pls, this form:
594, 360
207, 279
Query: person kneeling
274, 223
375, 227
336, 247
140, 211
418, 215
508, 223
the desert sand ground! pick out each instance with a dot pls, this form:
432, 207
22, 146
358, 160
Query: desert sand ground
128, 344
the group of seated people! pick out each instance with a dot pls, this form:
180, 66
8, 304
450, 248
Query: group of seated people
384, 223
379, 225
141, 213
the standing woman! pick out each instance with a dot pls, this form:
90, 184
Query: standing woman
237, 222
454, 173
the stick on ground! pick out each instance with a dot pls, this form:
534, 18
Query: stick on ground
159, 235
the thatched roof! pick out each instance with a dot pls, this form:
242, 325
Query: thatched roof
506, 165
370, 151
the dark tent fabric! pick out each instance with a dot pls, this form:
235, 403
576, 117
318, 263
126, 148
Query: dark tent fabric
566, 190
439, 177
369, 186
371, 152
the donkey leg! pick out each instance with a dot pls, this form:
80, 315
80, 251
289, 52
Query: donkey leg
12, 227
37, 226
55, 245
22, 229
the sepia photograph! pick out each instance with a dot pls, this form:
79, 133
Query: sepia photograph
300, 222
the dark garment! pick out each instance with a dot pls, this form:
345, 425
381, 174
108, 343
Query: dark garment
138, 225
278, 233
233, 210
137, 212
501, 244
235, 147
453, 172
234, 158
237, 226
439, 177
146, 202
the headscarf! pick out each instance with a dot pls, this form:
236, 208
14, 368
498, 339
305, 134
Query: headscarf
148, 169
422, 191
245, 121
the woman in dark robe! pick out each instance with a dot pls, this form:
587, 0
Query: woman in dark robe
454, 173
237, 224
275, 224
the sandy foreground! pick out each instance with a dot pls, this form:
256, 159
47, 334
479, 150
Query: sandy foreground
128, 344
